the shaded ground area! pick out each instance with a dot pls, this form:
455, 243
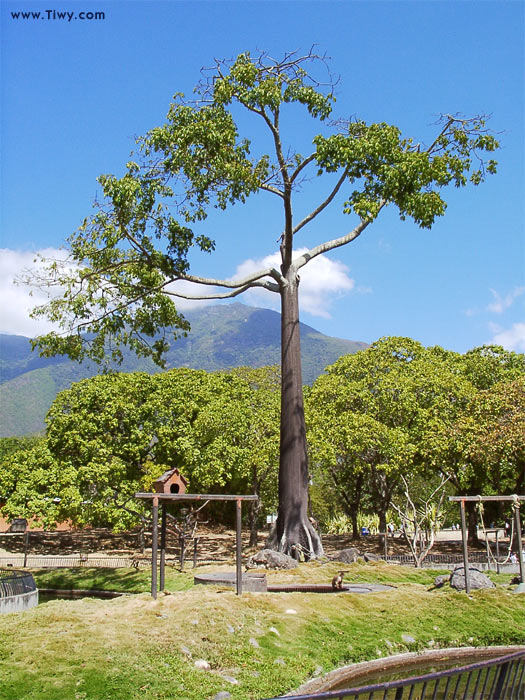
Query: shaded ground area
217, 543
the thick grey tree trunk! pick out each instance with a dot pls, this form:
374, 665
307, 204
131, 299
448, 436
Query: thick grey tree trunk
293, 533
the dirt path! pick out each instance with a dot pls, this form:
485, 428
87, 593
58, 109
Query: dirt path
215, 544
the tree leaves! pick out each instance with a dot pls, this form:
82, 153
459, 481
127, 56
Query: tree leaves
110, 436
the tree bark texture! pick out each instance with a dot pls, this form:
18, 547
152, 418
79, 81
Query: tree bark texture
293, 533
472, 523
255, 509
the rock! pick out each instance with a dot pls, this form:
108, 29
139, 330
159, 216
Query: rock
275, 631
440, 581
202, 664
231, 679
254, 642
478, 580
290, 611
369, 556
408, 639
222, 695
230, 629
185, 651
280, 661
520, 588
270, 559
348, 556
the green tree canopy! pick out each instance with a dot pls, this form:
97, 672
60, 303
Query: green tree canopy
110, 436
370, 412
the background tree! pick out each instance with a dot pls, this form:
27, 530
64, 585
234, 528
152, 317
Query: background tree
112, 435
422, 517
117, 284
231, 441
261, 437
482, 451
31, 485
370, 413
10, 445
362, 457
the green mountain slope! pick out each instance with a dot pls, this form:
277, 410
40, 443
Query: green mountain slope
222, 336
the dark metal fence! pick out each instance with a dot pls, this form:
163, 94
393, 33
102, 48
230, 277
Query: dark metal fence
473, 557
497, 679
15, 583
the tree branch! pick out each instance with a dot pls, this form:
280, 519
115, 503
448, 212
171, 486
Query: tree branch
330, 245
301, 167
249, 280
274, 190
323, 205
271, 287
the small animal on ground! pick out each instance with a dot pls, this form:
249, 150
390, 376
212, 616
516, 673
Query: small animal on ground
337, 581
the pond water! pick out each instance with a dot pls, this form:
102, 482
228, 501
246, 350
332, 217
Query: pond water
400, 672
47, 594
457, 686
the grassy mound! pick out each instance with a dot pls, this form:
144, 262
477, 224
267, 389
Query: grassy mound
257, 645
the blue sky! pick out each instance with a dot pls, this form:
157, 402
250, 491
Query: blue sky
76, 93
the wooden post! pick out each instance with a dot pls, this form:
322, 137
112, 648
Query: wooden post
162, 547
195, 545
182, 546
465, 545
497, 551
26, 546
154, 547
238, 548
518, 535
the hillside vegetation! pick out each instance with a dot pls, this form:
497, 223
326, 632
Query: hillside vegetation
221, 337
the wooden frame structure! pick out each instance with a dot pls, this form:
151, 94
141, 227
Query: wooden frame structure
163, 499
480, 499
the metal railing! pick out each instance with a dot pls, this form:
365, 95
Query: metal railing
497, 679
474, 558
14, 582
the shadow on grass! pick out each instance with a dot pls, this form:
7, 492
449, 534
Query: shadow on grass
122, 580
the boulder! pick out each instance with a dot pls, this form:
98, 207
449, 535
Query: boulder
440, 581
270, 559
478, 580
369, 556
348, 556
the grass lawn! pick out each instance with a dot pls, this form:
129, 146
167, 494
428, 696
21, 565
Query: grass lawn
258, 645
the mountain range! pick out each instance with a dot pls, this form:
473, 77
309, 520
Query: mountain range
222, 336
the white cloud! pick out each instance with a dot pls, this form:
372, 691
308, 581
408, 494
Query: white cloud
511, 339
502, 303
322, 280
17, 300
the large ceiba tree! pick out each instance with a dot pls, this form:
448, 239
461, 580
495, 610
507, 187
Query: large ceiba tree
117, 287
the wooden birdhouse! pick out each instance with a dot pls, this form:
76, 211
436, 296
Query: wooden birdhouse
172, 482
